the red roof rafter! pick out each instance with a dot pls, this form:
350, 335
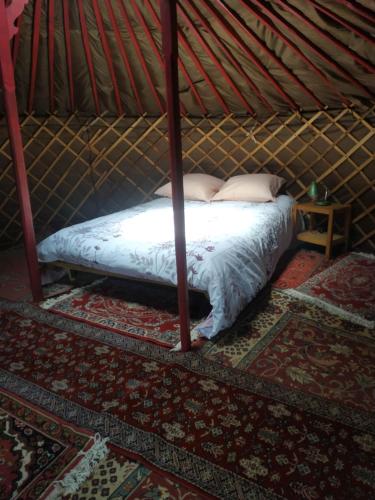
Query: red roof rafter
213, 58
68, 49
108, 56
263, 48
359, 9
228, 53
90, 65
349, 26
141, 58
229, 29
192, 55
292, 45
34, 52
180, 62
330, 39
51, 54
152, 43
124, 56
198, 64
318, 52
192, 86
16, 41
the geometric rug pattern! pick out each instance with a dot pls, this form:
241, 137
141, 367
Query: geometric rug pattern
247, 431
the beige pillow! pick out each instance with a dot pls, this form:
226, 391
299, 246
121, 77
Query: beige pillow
250, 187
196, 187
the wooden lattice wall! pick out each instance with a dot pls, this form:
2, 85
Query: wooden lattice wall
84, 167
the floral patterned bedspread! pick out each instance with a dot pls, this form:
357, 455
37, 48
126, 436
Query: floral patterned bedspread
232, 248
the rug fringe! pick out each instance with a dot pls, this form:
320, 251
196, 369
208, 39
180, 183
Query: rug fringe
82, 471
48, 303
354, 318
363, 254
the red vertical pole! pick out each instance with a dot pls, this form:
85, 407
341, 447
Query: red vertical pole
170, 49
9, 89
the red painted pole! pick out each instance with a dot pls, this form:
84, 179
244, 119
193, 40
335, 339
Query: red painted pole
170, 49
182, 67
35, 51
9, 89
86, 47
107, 53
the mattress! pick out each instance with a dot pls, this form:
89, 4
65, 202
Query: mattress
232, 248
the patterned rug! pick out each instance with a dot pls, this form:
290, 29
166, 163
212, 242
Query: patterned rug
302, 348
346, 288
298, 269
124, 307
39, 454
230, 432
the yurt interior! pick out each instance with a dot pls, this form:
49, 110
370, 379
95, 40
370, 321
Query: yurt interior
187, 249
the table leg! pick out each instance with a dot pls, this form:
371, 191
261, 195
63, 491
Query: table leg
328, 253
348, 219
294, 216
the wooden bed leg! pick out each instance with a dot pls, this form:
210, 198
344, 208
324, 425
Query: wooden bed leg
170, 49
71, 275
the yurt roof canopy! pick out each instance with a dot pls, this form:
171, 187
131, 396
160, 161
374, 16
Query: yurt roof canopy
235, 56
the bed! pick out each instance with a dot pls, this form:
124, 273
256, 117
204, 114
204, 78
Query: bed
232, 248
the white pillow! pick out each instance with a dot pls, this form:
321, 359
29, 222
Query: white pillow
250, 187
196, 187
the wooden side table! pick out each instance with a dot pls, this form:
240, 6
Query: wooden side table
326, 239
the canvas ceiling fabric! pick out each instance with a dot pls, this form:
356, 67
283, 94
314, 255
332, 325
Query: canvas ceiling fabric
236, 56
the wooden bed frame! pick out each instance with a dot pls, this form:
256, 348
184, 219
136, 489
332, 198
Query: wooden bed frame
70, 268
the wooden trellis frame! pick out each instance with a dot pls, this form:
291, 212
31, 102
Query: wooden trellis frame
82, 167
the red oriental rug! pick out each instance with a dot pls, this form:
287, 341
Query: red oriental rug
124, 307
300, 268
230, 433
346, 288
40, 456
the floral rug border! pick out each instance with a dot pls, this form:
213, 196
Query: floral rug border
66, 472
192, 361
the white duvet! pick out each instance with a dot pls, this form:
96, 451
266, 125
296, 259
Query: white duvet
232, 248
